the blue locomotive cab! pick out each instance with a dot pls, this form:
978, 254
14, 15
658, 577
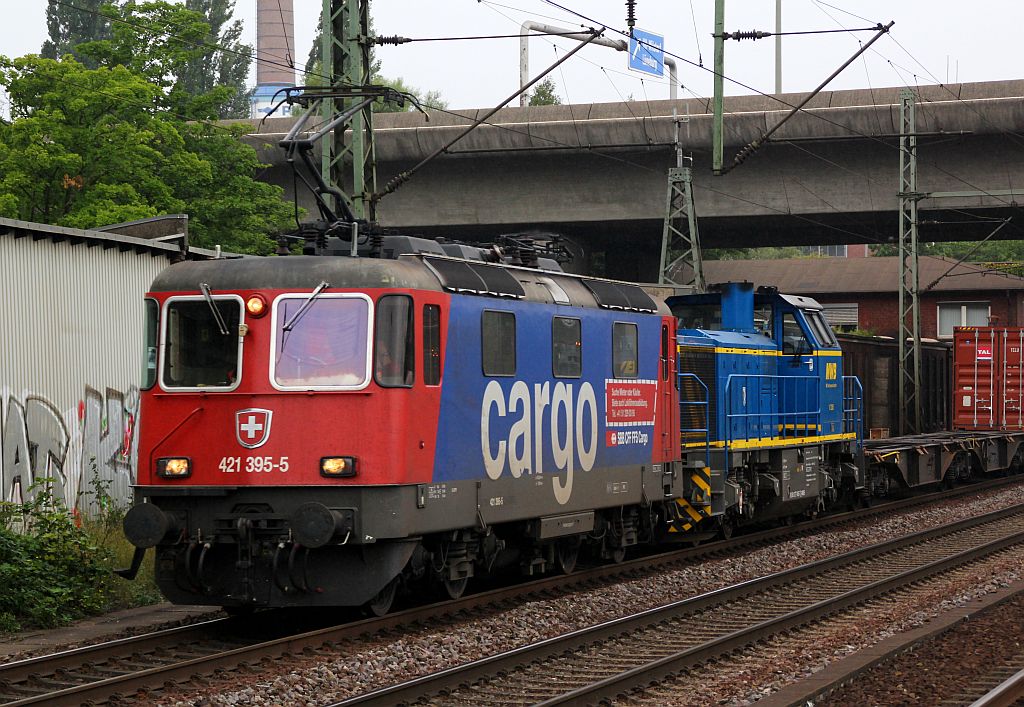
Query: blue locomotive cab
764, 401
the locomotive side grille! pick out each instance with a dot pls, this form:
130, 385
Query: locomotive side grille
700, 361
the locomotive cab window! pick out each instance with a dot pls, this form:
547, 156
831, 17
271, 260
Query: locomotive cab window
321, 342
821, 329
202, 347
566, 348
794, 341
624, 348
431, 344
150, 332
394, 352
498, 344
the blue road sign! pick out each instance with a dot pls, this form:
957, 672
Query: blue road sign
647, 52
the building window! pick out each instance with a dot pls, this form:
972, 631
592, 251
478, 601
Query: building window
825, 251
624, 347
841, 316
498, 343
954, 314
566, 348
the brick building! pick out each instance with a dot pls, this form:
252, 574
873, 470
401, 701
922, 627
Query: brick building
863, 292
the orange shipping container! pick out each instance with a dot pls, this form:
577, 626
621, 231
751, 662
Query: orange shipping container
988, 378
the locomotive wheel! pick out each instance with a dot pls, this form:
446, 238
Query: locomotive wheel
381, 604
455, 588
727, 528
566, 554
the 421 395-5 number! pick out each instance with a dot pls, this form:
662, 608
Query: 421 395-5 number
252, 465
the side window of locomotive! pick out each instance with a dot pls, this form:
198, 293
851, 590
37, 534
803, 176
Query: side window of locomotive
150, 328
794, 342
431, 344
326, 344
394, 353
624, 348
198, 353
763, 316
498, 344
566, 348
699, 316
822, 331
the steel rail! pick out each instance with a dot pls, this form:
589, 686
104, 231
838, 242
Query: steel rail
45, 668
1006, 694
626, 682
411, 691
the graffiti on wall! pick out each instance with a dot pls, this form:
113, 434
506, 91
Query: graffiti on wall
87, 449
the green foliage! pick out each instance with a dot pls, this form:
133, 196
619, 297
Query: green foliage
178, 48
544, 94
1007, 256
86, 148
227, 67
316, 76
72, 24
769, 253
53, 572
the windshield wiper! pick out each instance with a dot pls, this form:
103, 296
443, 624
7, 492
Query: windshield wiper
305, 306
213, 308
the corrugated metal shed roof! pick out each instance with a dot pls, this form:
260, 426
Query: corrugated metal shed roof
12, 228
881, 274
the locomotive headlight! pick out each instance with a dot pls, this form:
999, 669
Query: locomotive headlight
338, 466
256, 305
173, 467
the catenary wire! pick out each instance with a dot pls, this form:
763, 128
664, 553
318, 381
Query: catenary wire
699, 65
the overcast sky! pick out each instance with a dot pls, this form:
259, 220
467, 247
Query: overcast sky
932, 41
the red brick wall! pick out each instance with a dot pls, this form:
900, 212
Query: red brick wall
879, 312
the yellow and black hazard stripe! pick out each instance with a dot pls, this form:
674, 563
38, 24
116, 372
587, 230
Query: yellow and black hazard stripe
686, 514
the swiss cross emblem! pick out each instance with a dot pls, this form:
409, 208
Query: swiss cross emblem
252, 427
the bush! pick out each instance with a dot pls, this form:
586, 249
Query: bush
55, 570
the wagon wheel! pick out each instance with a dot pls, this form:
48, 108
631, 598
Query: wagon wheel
455, 588
567, 551
381, 604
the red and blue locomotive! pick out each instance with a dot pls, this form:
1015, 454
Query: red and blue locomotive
323, 430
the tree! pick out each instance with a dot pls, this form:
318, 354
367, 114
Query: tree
191, 51
85, 148
315, 76
766, 253
228, 65
69, 26
544, 94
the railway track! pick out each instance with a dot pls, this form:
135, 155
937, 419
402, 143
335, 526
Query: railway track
612, 660
969, 655
149, 662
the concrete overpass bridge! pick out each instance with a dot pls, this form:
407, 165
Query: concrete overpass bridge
597, 173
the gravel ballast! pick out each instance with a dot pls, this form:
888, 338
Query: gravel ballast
419, 651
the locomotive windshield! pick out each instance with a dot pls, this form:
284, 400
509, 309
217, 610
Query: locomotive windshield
197, 354
327, 347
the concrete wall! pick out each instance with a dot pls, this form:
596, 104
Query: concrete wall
597, 173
